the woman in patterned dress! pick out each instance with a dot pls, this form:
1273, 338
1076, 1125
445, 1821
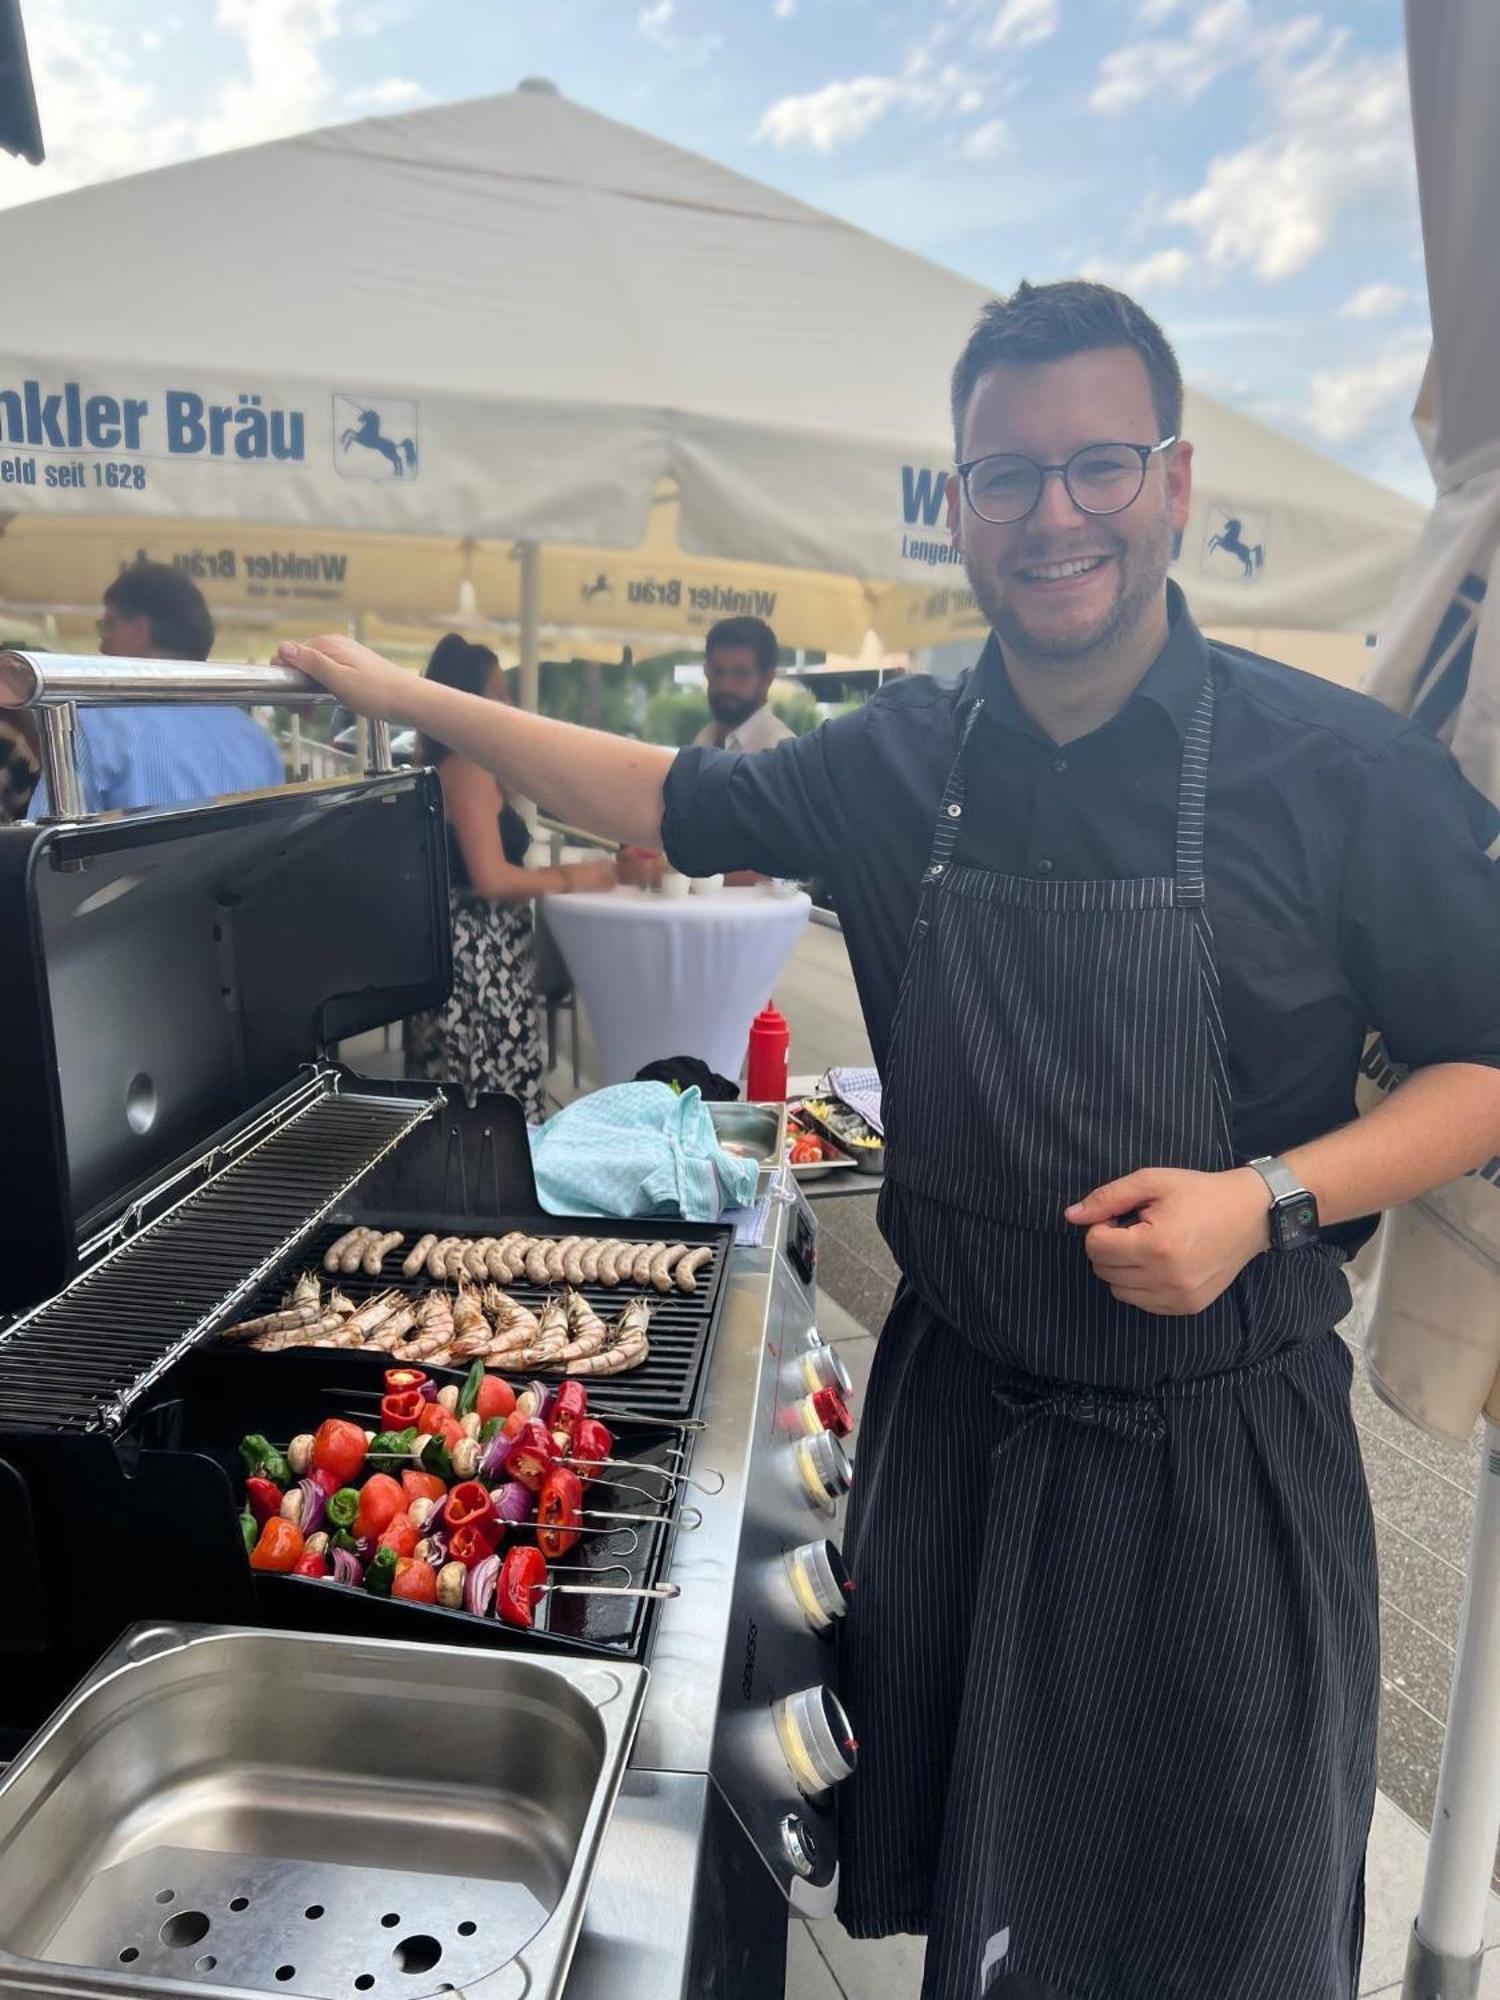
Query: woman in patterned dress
484, 1035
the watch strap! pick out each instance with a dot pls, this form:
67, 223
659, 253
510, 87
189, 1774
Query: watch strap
1278, 1177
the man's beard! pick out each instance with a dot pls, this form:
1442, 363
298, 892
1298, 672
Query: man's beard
1141, 569
728, 712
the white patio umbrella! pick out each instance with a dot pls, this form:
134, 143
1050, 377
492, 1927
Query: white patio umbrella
1433, 1343
507, 324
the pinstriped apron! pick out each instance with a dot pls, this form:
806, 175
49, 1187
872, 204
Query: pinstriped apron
1112, 1652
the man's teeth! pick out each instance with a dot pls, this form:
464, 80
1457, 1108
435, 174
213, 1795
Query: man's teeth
1055, 572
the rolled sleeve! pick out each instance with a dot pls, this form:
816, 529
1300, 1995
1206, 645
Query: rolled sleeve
730, 809
1420, 907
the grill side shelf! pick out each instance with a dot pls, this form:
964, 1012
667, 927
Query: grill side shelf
79, 1361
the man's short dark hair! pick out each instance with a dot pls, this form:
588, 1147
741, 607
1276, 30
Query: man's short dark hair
753, 632
1050, 322
182, 626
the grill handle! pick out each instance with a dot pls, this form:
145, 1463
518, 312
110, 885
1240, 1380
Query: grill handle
57, 685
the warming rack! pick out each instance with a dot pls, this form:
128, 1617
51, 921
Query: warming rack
80, 1360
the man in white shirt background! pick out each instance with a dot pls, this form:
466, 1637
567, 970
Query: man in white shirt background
739, 662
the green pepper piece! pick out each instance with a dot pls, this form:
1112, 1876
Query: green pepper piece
468, 1395
381, 1573
250, 1529
431, 1455
344, 1540
390, 1450
263, 1460
491, 1429
342, 1507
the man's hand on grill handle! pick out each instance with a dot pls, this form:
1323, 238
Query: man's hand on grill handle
610, 785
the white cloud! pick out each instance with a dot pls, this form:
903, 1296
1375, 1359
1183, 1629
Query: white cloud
1341, 138
284, 86
1151, 13
784, 9
1348, 403
845, 110
1376, 301
1019, 23
655, 22
987, 141
1159, 272
1177, 66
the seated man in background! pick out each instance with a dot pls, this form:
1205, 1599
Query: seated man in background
739, 662
172, 754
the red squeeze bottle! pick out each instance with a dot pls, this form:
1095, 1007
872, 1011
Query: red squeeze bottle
765, 1068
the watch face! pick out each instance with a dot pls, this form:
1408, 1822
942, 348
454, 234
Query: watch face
1295, 1221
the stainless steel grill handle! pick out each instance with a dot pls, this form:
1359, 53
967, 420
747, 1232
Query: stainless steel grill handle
58, 684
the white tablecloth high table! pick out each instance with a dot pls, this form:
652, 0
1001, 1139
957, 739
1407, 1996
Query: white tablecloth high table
675, 976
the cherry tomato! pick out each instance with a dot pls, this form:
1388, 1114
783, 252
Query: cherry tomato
338, 1449
435, 1418
279, 1548
415, 1581
422, 1486
310, 1565
514, 1424
380, 1501
399, 1534
495, 1398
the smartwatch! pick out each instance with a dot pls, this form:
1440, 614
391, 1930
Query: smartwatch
1294, 1212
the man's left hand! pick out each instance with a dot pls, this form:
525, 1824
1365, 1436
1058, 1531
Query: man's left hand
1170, 1241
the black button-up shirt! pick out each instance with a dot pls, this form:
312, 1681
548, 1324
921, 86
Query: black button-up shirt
1347, 877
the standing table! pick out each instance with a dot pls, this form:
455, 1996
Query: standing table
667, 976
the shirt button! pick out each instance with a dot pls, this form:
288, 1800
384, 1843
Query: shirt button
1044, 868
955, 812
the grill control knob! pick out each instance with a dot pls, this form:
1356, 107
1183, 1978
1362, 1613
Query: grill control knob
824, 1467
822, 1367
824, 1410
799, 1844
820, 1582
817, 1738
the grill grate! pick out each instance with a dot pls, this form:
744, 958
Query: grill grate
666, 1385
81, 1359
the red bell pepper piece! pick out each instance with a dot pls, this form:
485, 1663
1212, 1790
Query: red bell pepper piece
473, 1541
400, 1408
495, 1398
469, 1501
415, 1581
399, 1534
338, 1449
380, 1501
559, 1513
310, 1565
593, 1442
532, 1455
570, 1405
522, 1576
422, 1486
263, 1497
279, 1547
398, 1380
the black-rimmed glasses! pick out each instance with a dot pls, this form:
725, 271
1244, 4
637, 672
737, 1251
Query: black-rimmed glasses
1005, 486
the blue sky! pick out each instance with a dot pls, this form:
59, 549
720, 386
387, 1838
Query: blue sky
1244, 166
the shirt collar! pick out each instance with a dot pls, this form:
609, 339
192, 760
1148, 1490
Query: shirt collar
1171, 682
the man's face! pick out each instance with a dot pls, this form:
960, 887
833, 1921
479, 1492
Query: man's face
124, 637
1047, 410
736, 685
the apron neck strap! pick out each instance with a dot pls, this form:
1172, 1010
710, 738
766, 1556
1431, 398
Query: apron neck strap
1192, 790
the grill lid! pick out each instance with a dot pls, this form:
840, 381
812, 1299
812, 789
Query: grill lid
166, 972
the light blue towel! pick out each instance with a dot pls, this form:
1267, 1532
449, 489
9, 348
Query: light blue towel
638, 1149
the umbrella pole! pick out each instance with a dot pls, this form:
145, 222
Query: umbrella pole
531, 643
1446, 1951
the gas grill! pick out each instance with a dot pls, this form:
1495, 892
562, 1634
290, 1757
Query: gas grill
182, 1142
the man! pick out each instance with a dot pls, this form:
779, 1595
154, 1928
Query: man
163, 756
739, 663
1120, 906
